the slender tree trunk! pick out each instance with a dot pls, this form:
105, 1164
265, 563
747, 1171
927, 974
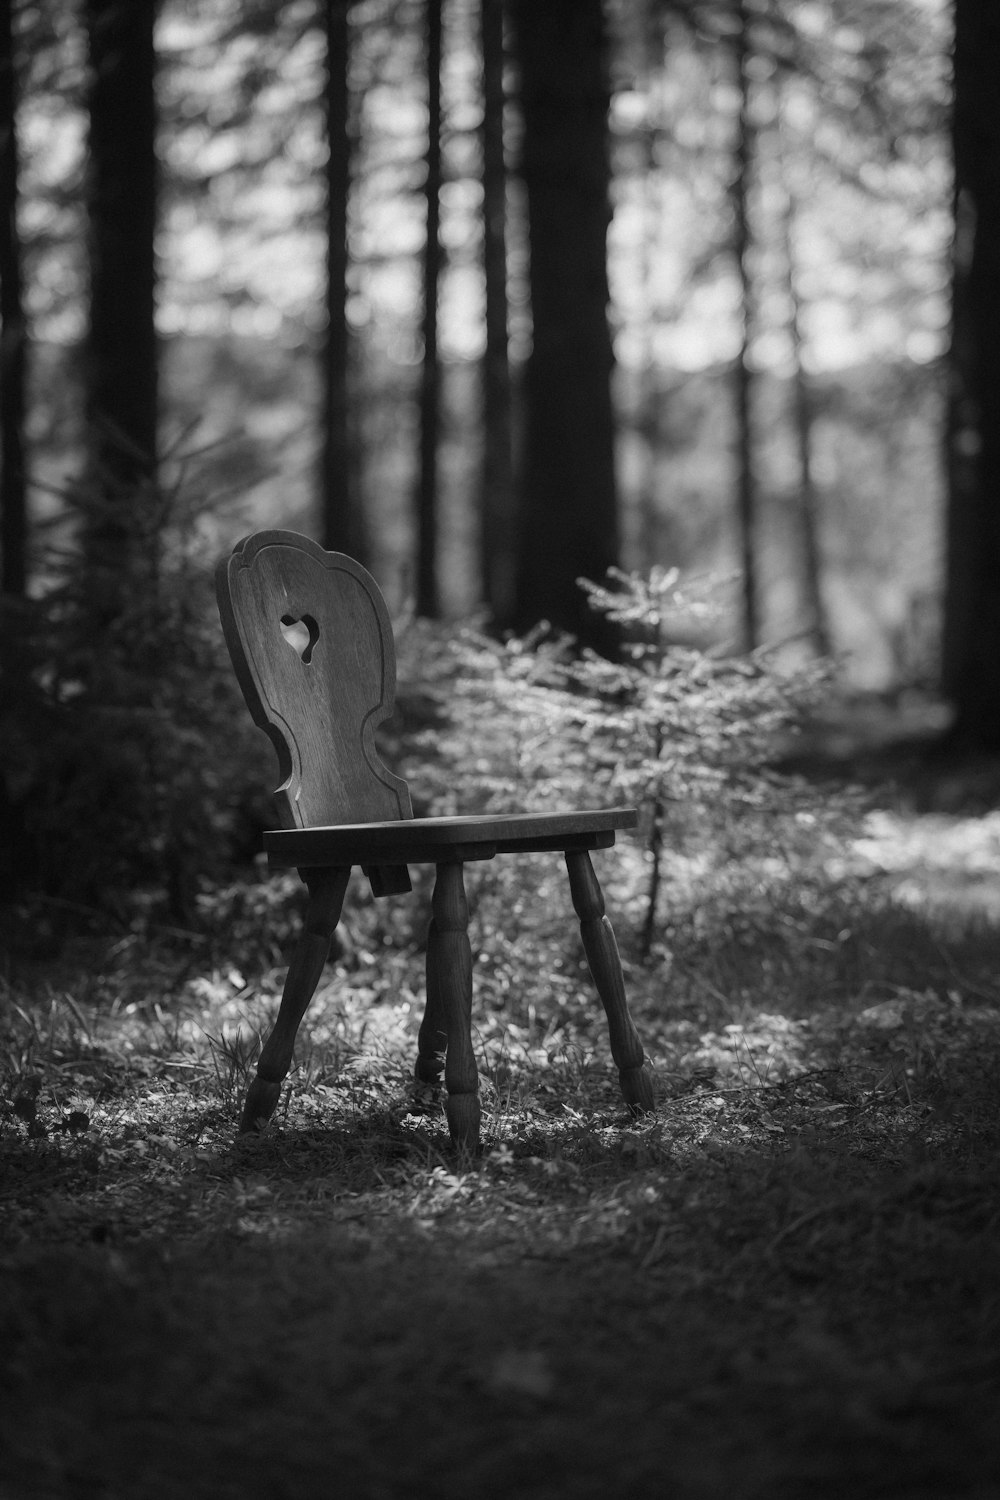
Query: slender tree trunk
808, 497
15, 848
569, 516
121, 369
971, 664
341, 522
428, 598
497, 479
746, 488
651, 43
961, 452
13, 333
803, 415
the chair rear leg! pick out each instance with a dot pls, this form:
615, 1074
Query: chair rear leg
326, 900
449, 1001
606, 967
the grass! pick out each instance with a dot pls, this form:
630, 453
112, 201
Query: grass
786, 1283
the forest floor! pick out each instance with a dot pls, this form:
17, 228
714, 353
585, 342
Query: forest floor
785, 1283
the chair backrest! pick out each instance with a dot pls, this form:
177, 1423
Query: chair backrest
311, 643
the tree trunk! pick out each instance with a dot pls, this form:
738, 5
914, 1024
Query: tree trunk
746, 488
803, 415
121, 366
13, 333
971, 658
569, 516
428, 598
808, 499
341, 521
650, 41
497, 480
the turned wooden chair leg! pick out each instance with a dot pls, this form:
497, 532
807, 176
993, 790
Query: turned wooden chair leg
432, 1038
449, 999
606, 967
326, 900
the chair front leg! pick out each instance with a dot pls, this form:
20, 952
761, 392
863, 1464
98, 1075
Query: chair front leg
606, 967
432, 1038
326, 899
449, 1004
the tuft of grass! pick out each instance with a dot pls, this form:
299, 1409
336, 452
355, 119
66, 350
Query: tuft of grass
234, 1056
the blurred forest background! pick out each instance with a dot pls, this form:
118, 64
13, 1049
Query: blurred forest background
492, 296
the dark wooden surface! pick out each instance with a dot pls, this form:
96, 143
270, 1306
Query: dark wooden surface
326, 899
430, 840
320, 713
605, 963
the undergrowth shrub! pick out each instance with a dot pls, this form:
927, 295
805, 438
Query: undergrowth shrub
687, 733
129, 758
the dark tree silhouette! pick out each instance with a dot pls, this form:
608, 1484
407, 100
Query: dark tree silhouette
803, 412
427, 601
746, 479
121, 365
568, 525
972, 608
341, 521
13, 331
497, 482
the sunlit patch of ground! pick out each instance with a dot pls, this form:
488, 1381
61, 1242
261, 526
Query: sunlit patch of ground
942, 862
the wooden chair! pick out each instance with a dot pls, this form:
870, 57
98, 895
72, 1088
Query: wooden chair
311, 643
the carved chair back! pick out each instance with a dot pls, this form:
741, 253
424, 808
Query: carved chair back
311, 643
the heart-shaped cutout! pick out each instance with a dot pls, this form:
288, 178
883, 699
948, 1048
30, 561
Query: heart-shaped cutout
301, 634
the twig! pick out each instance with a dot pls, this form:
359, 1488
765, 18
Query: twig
803, 1218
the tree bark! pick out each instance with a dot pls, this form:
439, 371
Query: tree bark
428, 597
746, 487
647, 39
121, 364
803, 415
341, 522
808, 497
568, 522
971, 647
13, 333
497, 479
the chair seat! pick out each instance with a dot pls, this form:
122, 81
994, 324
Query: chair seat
438, 840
